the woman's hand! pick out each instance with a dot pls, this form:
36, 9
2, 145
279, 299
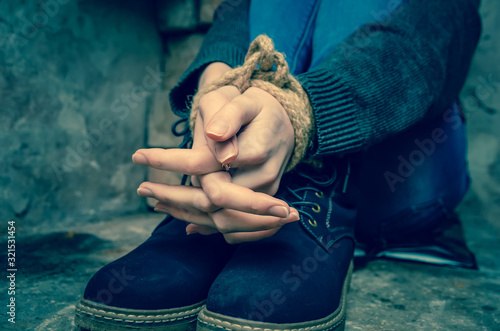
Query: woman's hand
192, 205
236, 205
253, 133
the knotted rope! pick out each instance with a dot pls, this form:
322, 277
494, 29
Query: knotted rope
258, 71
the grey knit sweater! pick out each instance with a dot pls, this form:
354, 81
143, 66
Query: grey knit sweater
405, 71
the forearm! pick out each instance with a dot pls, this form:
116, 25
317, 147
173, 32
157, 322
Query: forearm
410, 68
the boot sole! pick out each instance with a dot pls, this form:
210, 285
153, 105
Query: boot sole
209, 321
94, 316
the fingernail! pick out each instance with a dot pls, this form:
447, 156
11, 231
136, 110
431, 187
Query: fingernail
225, 151
295, 215
279, 211
188, 232
139, 158
218, 128
159, 210
145, 192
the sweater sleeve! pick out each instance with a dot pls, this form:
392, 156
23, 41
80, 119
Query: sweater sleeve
226, 41
385, 77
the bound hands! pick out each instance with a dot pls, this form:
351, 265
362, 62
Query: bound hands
253, 133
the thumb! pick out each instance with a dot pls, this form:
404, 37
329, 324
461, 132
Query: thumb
226, 122
201, 229
222, 128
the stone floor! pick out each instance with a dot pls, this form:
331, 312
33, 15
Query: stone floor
386, 295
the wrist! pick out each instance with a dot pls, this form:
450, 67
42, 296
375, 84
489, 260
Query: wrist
212, 72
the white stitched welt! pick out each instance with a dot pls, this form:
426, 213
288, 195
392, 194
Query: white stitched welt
230, 326
173, 316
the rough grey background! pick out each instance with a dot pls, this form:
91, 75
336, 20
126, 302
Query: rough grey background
481, 101
76, 80
64, 79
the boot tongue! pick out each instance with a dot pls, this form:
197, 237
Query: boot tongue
312, 170
312, 174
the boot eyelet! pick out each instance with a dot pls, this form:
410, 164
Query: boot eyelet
316, 208
319, 194
313, 222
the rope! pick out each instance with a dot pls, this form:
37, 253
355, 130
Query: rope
267, 69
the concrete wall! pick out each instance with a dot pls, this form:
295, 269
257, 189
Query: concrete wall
481, 101
76, 82
85, 83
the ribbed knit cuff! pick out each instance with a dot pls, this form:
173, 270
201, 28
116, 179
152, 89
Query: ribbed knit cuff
337, 128
181, 94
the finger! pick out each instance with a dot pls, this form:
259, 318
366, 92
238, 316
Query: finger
229, 221
246, 154
210, 104
195, 181
222, 193
242, 110
199, 138
186, 196
224, 125
227, 121
187, 215
225, 152
195, 161
213, 101
204, 230
257, 143
250, 148
260, 186
263, 177
240, 237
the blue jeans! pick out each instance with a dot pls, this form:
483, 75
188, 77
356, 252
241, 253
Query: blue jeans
411, 179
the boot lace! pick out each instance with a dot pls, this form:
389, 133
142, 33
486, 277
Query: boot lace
299, 193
